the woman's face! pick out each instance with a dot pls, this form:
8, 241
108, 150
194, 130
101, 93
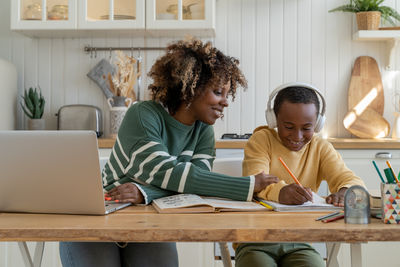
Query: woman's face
207, 107
296, 124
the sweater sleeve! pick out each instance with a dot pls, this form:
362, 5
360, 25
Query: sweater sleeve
258, 159
204, 152
335, 171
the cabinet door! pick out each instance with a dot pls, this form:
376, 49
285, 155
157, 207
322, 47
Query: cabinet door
43, 14
111, 14
360, 162
180, 14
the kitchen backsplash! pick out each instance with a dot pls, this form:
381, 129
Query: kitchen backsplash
276, 42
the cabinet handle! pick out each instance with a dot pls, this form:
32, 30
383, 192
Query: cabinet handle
383, 155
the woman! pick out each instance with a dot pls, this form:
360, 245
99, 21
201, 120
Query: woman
166, 146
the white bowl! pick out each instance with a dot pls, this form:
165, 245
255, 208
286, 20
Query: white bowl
165, 16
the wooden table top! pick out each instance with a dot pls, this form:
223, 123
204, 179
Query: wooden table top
338, 143
143, 224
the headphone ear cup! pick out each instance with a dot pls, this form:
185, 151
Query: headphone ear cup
319, 124
271, 119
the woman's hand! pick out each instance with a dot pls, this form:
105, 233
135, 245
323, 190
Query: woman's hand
337, 199
125, 193
263, 180
294, 194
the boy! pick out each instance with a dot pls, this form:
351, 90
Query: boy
296, 114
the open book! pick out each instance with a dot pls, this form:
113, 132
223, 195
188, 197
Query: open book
190, 203
318, 204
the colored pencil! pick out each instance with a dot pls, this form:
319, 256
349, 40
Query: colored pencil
328, 215
377, 170
333, 218
394, 175
264, 204
289, 171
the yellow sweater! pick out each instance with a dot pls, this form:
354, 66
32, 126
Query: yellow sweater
316, 161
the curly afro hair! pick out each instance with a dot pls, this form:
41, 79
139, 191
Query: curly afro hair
190, 67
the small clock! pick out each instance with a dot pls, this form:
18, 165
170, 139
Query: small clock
356, 205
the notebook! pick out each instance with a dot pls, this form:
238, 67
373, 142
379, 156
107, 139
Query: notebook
51, 172
318, 204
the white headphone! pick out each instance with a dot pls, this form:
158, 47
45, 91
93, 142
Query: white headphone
270, 114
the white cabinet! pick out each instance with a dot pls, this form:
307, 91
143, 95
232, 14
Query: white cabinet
360, 162
69, 18
111, 14
43, 14
180, 15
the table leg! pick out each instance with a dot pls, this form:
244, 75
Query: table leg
356, 257
332, 250
37, 257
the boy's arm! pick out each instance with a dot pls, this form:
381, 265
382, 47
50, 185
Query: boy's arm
335, 171
256, 160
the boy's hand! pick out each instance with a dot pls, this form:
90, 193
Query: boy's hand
294, 194
337, 199
263, 180
125, 193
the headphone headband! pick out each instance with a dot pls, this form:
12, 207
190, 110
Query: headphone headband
269, 112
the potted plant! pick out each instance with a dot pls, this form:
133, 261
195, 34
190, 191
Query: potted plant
369, 13
33, 107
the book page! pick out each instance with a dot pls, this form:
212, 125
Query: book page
179, 201
318, 204
232, 205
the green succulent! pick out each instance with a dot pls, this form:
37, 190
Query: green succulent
33, 103
387, 13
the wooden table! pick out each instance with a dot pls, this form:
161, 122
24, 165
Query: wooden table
143, 224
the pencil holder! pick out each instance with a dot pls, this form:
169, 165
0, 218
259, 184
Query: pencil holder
390, 203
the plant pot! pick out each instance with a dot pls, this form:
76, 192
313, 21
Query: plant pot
36, 124
368, 20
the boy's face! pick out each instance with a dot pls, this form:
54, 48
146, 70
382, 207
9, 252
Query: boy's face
296, 123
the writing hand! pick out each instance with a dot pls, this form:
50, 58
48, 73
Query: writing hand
337, 199
263, 180
294, 194
126, 193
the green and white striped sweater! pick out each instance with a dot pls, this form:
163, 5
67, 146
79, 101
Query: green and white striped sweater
163, 156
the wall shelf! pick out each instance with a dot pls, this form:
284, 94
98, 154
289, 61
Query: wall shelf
391, 37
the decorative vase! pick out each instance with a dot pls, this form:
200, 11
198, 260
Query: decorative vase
36, 124
368, 20
118, 107
396, 126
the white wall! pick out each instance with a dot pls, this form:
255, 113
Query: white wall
277, 41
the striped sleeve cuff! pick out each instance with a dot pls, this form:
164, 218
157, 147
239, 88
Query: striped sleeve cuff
146, 199
251, 188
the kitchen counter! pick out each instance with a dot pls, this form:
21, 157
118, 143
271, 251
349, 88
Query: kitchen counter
338, 143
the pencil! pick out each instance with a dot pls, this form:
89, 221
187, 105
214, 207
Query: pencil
264, 204
289, 171
333, 218
394, 175
377, 170
324, 217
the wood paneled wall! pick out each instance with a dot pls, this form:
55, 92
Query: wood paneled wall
277, 41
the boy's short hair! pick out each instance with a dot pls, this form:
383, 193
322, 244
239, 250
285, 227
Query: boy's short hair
296, 94
188, 68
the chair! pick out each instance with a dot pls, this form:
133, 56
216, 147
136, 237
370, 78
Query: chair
233, 167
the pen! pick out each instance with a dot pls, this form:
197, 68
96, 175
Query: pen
390, 167
377, 170
333, 218
328, 215
289, 171
264, 204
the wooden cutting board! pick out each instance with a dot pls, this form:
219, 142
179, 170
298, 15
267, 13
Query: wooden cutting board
364, 78
368, 124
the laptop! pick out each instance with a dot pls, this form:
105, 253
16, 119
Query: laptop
52, 172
